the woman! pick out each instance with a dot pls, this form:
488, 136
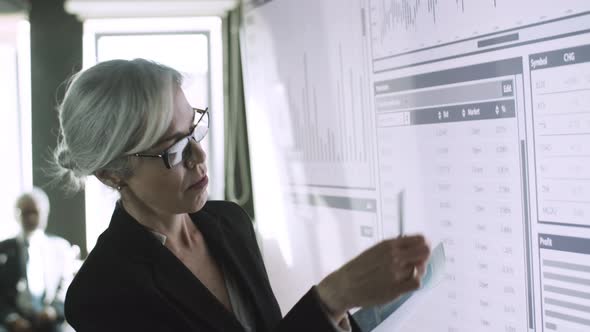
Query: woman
170, 260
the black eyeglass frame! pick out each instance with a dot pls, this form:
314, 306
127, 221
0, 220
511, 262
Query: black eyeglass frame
164, 155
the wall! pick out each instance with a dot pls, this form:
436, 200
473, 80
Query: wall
56, 53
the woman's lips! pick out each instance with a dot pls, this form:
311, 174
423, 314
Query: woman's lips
200, 184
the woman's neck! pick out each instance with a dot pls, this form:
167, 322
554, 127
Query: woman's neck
177, 228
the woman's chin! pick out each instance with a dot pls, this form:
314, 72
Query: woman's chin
199, 201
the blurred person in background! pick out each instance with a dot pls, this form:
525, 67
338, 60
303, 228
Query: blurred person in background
35, 271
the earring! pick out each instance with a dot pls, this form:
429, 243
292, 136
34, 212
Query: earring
114, 185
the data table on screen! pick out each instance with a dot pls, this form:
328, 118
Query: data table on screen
455, 150
560, 84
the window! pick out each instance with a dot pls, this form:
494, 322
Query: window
190, 45
15, 127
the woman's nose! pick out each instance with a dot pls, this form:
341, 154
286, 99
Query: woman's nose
195, 154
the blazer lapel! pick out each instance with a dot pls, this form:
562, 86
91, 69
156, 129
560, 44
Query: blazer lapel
228, 248
21, 256
176, 281
172, 277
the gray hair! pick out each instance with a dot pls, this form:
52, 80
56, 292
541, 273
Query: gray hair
41, 199
109, 111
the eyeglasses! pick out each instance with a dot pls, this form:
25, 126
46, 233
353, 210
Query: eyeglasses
179, 152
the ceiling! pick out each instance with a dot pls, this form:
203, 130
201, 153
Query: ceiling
87, 9
11, 6
132, 8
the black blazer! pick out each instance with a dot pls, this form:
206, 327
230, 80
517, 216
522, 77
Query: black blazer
13, 270
131, 282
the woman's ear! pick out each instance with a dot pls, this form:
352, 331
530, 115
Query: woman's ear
109, 179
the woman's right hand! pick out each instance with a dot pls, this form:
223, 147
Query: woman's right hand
378, 275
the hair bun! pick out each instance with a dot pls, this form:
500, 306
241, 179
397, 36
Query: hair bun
63, 157
66, 169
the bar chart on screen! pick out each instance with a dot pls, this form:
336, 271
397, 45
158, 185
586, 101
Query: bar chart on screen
565, 279
329, 123
325, 91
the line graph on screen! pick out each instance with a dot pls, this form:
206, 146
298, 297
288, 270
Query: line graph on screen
399, 26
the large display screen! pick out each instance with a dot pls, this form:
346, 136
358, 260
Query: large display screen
468, 121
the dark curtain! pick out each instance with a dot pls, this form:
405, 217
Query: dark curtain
238, 185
